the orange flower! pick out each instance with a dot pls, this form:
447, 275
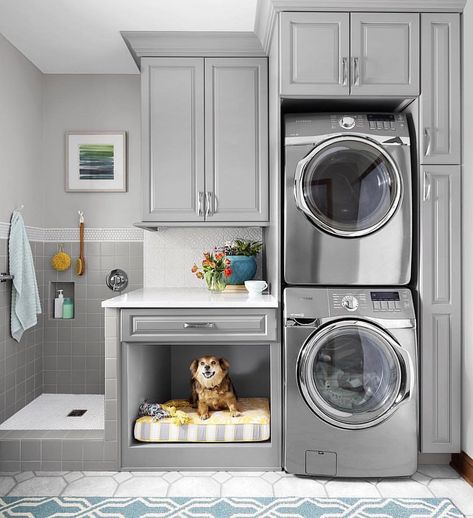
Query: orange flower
212, 264
205, 262
227, 272
200, 275
219, 256
228, 262
194, 268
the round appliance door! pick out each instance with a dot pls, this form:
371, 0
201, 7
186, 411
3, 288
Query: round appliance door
348, 186
350, 374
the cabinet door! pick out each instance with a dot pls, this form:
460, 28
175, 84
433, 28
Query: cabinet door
440, 315
173, 139
314, 54
236, 139
385, 54
440, 96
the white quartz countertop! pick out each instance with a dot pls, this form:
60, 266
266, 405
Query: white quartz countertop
188, 298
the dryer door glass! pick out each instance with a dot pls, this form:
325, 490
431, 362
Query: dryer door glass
348, 186
350, 374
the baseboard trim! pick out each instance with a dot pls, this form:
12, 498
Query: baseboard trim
463, 463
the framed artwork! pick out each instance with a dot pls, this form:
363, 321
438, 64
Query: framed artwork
96, 161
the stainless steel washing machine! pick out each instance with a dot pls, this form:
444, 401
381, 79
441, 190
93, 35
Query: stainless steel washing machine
350, 382
347, 199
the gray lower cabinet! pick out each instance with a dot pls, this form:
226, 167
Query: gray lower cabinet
440, 309
205, 140
157, 348
375, 54
315, 50
440, 117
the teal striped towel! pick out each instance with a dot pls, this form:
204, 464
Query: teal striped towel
25, 303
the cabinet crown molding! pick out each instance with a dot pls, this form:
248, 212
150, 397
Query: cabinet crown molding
192, 44
267, 10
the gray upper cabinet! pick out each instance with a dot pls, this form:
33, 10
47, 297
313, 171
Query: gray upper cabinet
440, 309
440, 121
205, 140
236, 136
385, 54
315, 53
375, 54
173, 139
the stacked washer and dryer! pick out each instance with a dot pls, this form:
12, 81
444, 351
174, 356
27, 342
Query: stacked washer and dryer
350, 348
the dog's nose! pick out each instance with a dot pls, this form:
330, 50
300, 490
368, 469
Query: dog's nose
207, 367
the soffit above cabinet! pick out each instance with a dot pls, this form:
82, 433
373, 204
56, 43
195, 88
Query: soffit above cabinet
267, 10
192, 44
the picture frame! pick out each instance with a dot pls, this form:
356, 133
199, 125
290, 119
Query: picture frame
95, 161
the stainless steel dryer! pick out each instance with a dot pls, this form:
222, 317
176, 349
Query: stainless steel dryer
347, 199
350, 386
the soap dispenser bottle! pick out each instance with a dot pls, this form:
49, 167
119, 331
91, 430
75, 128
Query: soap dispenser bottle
58, 304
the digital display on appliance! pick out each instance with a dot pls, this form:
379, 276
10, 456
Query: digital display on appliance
384, 295
381, 117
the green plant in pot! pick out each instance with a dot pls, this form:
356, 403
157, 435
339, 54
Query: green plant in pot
242, 256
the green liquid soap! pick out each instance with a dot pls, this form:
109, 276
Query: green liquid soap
68, 308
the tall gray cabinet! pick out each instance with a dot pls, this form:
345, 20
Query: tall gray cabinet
204, 125
440, 234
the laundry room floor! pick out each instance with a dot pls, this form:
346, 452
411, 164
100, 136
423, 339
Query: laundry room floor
430, 481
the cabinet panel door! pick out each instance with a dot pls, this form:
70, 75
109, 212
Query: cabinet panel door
440, 96
236, 139
385, 54
440, 315
173, 138
314, 53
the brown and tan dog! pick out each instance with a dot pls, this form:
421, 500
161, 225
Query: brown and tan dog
212, 388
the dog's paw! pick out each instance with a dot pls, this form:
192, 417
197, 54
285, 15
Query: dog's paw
235, 413
205, 416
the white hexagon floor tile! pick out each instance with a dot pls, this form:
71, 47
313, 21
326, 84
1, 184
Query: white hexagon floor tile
247, 486
458, 490
298, 486
271, 476
143, 486
172, 476
195, 486
122, 476
420, 477
351, 488
221, 476
400, 488
91, 486
39, 486
24, 475
6, 484
438, 471
73, 475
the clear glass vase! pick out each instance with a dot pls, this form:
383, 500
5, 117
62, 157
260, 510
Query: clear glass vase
215, 281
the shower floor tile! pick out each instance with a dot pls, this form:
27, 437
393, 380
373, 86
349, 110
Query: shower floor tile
49, 412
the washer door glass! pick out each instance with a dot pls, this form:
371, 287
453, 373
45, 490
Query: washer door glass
348, 186
350, 374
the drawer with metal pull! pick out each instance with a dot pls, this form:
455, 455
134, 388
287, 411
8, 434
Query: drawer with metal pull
177, 325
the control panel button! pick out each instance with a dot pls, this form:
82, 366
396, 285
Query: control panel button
384, 305
397, 305
391, 306
347, 122
377, 305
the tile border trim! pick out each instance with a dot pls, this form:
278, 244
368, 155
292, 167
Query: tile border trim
72, 234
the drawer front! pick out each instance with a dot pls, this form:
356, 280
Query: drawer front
152, 325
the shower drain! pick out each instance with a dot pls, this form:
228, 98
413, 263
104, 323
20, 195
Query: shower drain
76, 413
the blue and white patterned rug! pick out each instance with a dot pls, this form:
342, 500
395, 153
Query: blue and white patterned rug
294, 507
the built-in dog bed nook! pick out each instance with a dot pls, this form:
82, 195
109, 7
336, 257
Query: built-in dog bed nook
253, 425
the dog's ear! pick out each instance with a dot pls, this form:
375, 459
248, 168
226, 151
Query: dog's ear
193, 367
224, 364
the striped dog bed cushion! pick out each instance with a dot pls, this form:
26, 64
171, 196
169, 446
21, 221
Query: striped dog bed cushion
252, 425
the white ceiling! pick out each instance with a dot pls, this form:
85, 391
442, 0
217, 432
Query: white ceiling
83, 36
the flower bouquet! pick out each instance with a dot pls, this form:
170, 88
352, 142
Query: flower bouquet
215, 269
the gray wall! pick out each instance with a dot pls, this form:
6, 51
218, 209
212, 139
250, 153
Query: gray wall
90, 102
21, 146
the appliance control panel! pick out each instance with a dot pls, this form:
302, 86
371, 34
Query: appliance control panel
372, 121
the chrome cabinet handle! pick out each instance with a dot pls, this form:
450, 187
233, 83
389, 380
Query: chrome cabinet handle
427, 185
199, 325
200, 200
208, 204
428, 140
344, 72
356, 73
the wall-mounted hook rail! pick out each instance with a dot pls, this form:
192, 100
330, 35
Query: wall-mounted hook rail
6, 277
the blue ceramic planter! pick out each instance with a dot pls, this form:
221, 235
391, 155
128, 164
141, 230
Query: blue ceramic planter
243, 268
